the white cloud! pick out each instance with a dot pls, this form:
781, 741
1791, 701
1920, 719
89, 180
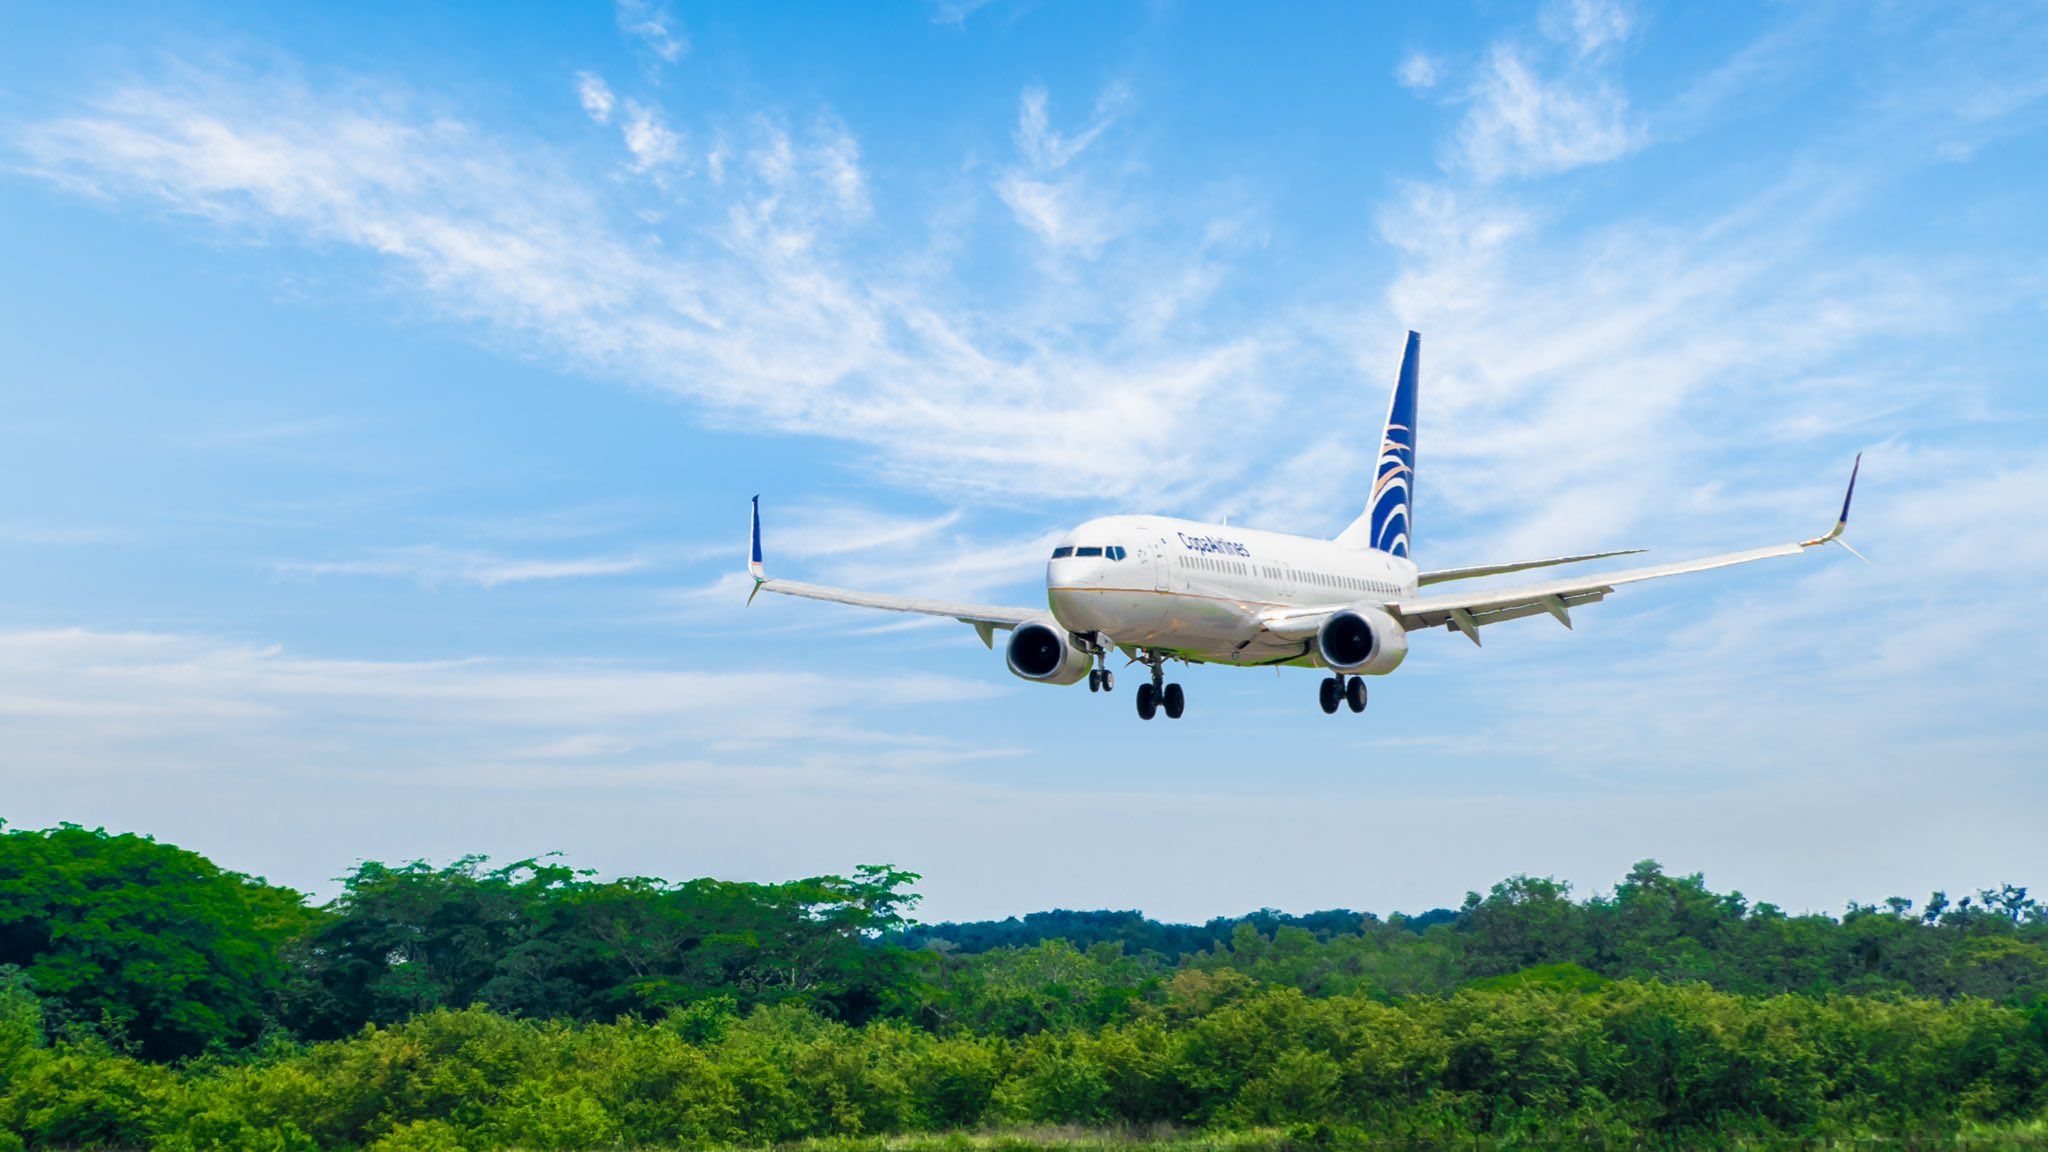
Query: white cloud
650, 141
956, 12
1523, 123
838, 529
1419, 70
596, 96
757, 297
435, 567
652, 24
1588, 26
1066, 208
161, 704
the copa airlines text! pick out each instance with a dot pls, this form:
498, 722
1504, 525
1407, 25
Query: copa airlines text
1159, 589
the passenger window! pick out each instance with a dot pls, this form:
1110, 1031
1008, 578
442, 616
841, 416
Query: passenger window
1087, 552
1062, 553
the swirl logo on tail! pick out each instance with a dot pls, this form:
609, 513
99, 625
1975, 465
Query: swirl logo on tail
1388, 522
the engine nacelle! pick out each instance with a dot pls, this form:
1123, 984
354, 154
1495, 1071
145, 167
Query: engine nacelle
1363, 640
1043, 651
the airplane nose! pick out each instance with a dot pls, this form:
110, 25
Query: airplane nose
1076, 609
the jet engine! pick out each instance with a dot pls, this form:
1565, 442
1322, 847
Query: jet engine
1044, 651
1362, 639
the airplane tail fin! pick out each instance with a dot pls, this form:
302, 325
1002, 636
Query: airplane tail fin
1388, 519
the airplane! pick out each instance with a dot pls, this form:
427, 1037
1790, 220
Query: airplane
1156, 588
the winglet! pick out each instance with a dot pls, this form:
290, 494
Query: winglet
754, 566
1834, 535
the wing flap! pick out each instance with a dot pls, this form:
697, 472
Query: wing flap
1534, 606
1490, 605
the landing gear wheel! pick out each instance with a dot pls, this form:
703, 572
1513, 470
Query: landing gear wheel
1354, 693
1329, 695
1108, 680
1176, 701
1094, 681
1148, 701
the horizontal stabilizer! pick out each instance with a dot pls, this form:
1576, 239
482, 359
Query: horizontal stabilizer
1443, 574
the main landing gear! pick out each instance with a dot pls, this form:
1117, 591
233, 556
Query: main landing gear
1158, 694
1337, 690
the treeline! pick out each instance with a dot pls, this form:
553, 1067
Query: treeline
147, 995
1138, 934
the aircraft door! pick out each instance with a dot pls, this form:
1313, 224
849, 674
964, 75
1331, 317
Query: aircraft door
1162, 565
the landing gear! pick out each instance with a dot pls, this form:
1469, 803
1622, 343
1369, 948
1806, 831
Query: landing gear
1158, 694
1100, 678
1337, 691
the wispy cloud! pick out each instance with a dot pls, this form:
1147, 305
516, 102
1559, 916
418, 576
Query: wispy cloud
436, 567
1588, 27
164, 703
1066, 209
1524, 123
956, 12
652, 25
1419, 70
596, 96
649, 139
758, 295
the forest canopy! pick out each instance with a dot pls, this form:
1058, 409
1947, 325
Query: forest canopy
146, 994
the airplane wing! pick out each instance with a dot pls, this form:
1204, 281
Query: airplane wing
984, 617
1466, 612
1441, 575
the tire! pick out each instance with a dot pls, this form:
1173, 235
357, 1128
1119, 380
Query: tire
1148, 701
1176, 701
1328, 696
1108, 680
1354, 693
1094, 681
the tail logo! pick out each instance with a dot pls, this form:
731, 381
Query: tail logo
1393, 486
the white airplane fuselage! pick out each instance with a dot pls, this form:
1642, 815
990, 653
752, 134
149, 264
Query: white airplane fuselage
1198, 590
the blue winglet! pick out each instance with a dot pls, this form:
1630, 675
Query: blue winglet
1834, 535
1851, 494
754, 566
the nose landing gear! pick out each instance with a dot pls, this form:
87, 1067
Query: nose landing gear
1339, 691
1100, 678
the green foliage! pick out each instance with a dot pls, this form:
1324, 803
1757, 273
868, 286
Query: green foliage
1627, 1062
156, 946
539, 939
148, 998
1566, 977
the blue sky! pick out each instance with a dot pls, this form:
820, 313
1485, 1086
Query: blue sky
384, 388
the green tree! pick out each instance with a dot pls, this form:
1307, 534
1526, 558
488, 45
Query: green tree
156, 945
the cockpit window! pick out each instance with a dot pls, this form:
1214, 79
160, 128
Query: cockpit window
1087, 552
1114, 552
1062, 552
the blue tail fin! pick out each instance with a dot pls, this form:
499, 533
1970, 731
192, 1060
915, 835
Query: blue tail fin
1388, 520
